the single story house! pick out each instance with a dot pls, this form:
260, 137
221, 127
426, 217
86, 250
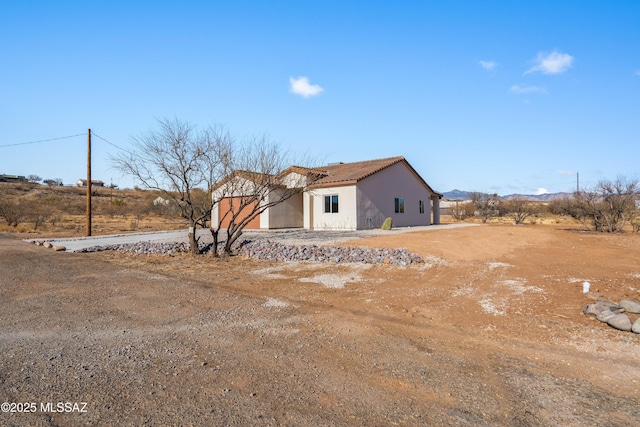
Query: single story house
12, 178
338, 196
94, 183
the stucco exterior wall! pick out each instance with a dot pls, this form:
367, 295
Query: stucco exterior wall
344, 219
287, 214
232, 189
376, 198
214, 214
307, 221
294, 180
224, 207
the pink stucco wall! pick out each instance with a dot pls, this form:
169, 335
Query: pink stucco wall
376, 194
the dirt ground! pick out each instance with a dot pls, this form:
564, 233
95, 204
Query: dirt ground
488, 332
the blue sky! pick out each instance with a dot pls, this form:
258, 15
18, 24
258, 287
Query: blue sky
494, 96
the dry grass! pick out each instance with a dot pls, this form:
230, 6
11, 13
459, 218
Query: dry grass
64, 210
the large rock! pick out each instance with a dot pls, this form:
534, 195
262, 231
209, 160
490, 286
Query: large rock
596, 308
636, 326
387, 224
630, 306
48, 245
59, 248
620, 322
605, 315
611, 305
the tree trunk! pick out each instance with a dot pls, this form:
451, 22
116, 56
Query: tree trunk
193, 241
214, 247
230, 241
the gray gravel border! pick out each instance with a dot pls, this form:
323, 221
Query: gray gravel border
295, 237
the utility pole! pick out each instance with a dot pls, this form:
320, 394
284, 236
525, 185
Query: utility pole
577, 181
89, 182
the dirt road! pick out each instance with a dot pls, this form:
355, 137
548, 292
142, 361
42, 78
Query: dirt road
489, 332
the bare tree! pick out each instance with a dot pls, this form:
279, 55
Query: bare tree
607, 207
57, 182
259, 179
8, 212
37, 212
461, 210
181, 162
518, 208
486, 205
13, 211
34, 178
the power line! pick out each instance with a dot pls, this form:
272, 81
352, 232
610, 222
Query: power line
42, 140
109, 142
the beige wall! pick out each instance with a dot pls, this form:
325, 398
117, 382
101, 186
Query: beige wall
294, 180
345, 219
287, 214
377, 192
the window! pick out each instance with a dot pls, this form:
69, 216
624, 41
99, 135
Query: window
399, 204
331, 204
421, 206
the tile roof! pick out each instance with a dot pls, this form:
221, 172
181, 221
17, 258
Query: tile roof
350, 173
259, 178
332, 175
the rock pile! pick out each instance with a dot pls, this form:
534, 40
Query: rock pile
338, 254
614, 314
267, 250
142, 248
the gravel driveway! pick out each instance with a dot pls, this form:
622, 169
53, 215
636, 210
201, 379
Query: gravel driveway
286, 236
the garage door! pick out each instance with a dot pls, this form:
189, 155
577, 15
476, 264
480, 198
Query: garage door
226, 204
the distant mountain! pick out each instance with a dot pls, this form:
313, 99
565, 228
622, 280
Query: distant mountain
539, 197
457, 194
466, 195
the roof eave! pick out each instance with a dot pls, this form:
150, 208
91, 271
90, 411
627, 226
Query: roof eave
333, 184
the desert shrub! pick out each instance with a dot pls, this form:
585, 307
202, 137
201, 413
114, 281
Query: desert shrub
519, 209
56, 219
486, 205
461, 211
16, 211
38, 216
50, 199
606, 208
72, 206
13, 211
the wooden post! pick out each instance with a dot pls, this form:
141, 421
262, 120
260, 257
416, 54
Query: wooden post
89, 182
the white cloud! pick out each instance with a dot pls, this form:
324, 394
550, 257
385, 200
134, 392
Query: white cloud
566, 173
517, 89
488, 65
551, 63
541, 190
301, 86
